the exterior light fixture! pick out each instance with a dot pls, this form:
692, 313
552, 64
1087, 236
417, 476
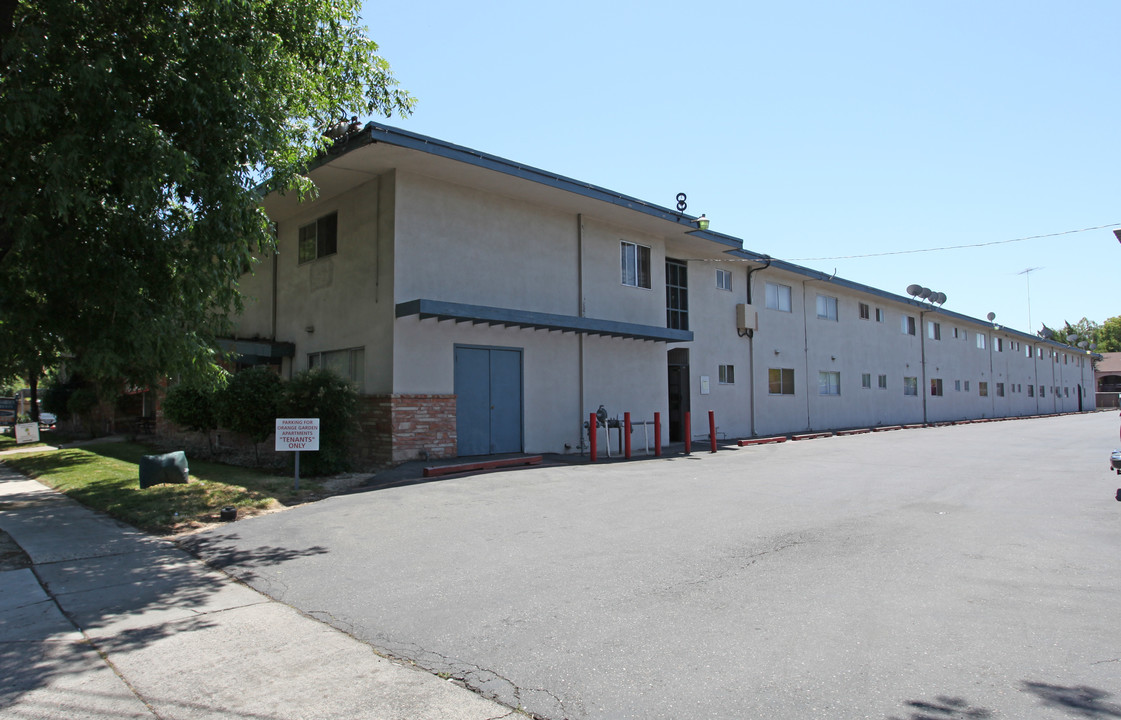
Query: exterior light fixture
702, 222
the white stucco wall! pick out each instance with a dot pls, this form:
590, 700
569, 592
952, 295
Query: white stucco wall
405, 236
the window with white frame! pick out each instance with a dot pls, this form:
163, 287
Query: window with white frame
778, 297
727, 374
980, 341
780, 381
635, 262
936, 387
349, 363
957, 385
1027, 351
880, 315
957, 333
883, 382
724, 279
998, 344
319, 239
966, 386
933, 330
866, 381
865, 311
829, 382
1066, 391
911, 386
907, 325
826, 307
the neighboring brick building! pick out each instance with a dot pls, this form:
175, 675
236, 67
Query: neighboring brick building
1107, 379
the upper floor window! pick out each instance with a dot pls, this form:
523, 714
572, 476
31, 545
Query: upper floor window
879, 314
677, 295
319, 239
998, 344
933, 330
826, 307
778, 297
724, 279
907, 325
635, 264
865, 312
726, 374
980, 341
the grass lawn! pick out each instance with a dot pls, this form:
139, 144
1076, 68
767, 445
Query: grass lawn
106, 477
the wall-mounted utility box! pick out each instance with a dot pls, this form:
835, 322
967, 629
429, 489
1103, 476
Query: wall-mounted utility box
747, 318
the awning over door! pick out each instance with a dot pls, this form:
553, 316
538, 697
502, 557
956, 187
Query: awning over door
483, 315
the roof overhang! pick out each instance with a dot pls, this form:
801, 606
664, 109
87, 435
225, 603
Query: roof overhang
506, 317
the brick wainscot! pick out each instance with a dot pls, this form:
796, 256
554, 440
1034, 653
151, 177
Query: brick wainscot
399, 428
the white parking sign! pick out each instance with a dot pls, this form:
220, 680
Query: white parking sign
297, 434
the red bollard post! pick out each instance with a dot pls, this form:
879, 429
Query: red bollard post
593, 434
712, 429
657, 434
688, 433
627, 434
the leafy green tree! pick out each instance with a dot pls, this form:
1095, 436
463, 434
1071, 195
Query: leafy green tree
249, 405
1109, 335
135, 137
320, 393
194, 406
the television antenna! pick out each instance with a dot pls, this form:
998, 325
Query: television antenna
1027, 277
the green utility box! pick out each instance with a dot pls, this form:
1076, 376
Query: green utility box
167, 468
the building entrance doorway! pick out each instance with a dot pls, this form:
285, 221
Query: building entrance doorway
678, 393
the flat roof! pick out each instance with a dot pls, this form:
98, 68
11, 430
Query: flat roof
376, 132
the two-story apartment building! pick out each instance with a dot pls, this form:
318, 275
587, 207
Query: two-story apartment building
484, 307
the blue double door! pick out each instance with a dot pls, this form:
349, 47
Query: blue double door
488, 405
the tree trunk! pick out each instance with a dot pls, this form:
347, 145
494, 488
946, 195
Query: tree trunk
33, 385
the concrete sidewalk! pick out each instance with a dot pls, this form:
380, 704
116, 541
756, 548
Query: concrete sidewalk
112, 623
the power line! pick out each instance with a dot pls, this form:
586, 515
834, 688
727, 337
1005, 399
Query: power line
955, 247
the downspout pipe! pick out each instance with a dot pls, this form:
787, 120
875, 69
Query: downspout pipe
922, 363
750, 333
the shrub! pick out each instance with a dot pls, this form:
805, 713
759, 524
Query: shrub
320, 393
194, 405
249, 404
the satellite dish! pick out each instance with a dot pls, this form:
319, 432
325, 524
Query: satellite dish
1071, 338
925, 293
991, 316
1083, 344
939, 298
914, 290
1093, 346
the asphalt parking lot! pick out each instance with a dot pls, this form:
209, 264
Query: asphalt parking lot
955, 572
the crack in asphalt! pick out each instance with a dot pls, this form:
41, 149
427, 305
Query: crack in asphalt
742, 560
484, 681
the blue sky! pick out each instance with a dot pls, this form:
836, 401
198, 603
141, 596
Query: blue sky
811, 129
